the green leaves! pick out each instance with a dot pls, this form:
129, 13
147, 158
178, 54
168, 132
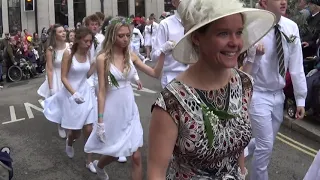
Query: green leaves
208, 129
209, 116
114, 81
290, 39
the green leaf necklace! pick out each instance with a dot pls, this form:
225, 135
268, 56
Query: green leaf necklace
211, 117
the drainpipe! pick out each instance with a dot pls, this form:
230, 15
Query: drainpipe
36, 14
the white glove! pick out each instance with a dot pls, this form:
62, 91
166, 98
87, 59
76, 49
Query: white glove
15, 63
251, 53
77, 98
101, 132
167, 47
52, 92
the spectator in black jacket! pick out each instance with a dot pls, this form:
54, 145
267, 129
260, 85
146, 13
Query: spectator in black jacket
309, 38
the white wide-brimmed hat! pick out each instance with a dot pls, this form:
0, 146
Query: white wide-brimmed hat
198, 13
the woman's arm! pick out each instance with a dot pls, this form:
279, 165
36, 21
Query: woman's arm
153, 72
92, 69
102, 85
163, 133
65, 67
49, 66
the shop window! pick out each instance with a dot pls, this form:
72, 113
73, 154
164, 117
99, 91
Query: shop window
79, 10
14, 16
61, 12
140, 8
123, 8
168, 6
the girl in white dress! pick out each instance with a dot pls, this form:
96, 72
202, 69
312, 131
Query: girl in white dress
53, 84
75, 105
118, 131
147, 39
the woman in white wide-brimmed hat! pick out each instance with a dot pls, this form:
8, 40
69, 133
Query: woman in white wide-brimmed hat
200, 123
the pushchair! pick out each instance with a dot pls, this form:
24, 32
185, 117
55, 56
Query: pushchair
310, 63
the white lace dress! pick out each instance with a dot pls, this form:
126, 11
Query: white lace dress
44, 90
123, 130
62, 109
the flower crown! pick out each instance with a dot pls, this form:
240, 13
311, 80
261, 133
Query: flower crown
123, 21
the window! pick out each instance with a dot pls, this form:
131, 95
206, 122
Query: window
140, 8
168, 6
61, 12
14, 16
79, 10
123, 8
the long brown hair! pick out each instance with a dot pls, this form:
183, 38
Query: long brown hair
53, 37
110, 40
80, 33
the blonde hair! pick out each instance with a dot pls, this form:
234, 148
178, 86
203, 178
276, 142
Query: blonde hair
110, 40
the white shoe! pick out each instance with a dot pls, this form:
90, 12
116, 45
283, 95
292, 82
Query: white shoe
102, 175
69, 150
122, 159
91, 167
62, 132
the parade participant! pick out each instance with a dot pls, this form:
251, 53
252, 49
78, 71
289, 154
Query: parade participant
74, 105
53, 56
200, 125
93, 23
169, 32
282, 53
137, 40
118, 131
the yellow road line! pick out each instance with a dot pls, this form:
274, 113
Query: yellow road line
294, 146
297, 143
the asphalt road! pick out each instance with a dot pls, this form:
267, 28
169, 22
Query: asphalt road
38, 152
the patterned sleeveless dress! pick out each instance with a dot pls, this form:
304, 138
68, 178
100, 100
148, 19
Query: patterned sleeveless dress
193, 158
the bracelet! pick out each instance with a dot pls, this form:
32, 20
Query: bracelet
100, 115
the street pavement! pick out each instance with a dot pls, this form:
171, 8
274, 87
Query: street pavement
38, 152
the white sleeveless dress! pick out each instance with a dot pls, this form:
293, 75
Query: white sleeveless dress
123, 130
57, 85
62, 109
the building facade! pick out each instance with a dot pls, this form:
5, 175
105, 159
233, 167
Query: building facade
13, 17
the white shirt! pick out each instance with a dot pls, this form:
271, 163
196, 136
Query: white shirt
169, 29
93, 80
95, 51
265, 69
136, 37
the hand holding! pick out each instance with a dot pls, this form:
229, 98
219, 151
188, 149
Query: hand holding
260, 49
77, 98
101, 132
139, 85
300, 112
52, 92
167, 47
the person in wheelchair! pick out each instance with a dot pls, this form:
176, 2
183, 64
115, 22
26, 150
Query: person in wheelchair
9, 56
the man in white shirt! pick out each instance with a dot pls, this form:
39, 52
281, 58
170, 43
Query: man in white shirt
137, 40
282, 53
170, 31
93, 23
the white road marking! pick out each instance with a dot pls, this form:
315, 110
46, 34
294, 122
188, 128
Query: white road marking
13, 116
28, 107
